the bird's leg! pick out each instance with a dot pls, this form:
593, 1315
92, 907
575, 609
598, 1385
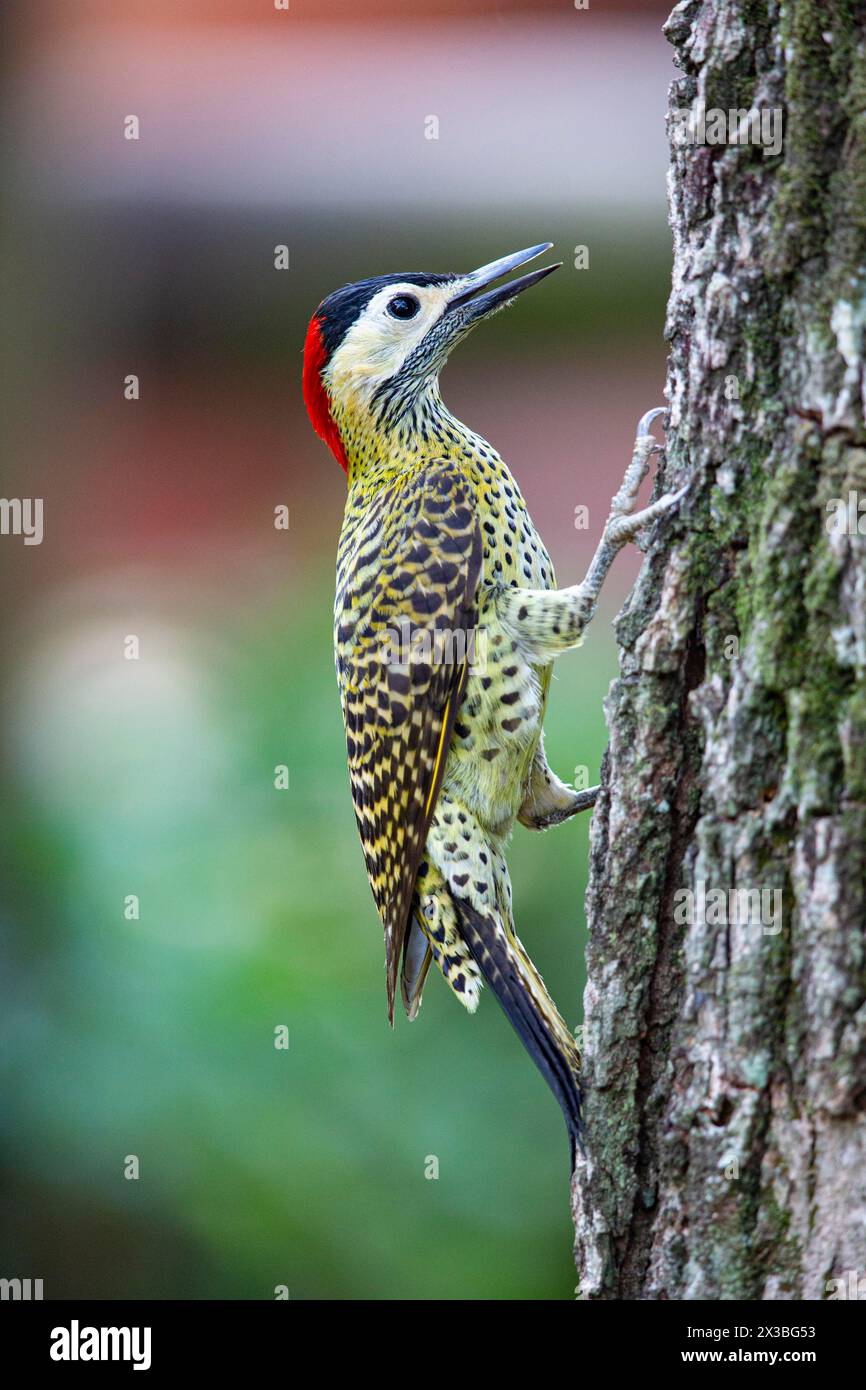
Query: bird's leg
548, 621
536, 817
548, 801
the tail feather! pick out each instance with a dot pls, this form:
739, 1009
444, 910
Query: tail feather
528, 1007
416, 962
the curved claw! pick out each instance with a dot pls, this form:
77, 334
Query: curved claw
646, 420
665, 503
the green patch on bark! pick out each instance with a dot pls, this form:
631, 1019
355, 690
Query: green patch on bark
814, 129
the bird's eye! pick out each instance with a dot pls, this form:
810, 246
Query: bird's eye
403, 306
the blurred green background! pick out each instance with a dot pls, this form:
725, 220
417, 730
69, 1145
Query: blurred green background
155, 777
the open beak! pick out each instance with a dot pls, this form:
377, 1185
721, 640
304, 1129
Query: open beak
475, 306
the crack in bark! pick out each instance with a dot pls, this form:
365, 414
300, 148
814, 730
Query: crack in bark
665, 991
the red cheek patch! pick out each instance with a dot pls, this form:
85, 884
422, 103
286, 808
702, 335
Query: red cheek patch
315, 395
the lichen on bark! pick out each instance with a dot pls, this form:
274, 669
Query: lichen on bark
726, 1064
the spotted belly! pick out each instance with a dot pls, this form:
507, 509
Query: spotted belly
497, 728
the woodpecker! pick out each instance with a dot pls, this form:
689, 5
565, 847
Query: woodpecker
446, 624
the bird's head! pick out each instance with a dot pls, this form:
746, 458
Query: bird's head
374, 349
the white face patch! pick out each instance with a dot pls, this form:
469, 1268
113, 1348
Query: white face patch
377, 344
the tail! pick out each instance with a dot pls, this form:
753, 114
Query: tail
509, 972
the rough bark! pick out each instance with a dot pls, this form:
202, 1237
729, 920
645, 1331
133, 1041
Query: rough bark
725, 1064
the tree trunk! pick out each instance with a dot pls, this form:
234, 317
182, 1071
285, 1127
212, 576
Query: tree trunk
724, 1059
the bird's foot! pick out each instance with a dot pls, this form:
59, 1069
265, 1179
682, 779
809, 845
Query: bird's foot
624, 523
543, 814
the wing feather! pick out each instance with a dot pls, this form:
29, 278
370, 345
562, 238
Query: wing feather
412, 572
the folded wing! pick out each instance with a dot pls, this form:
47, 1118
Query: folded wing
405, 620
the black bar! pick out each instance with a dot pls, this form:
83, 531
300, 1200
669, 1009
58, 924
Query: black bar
229, 1337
